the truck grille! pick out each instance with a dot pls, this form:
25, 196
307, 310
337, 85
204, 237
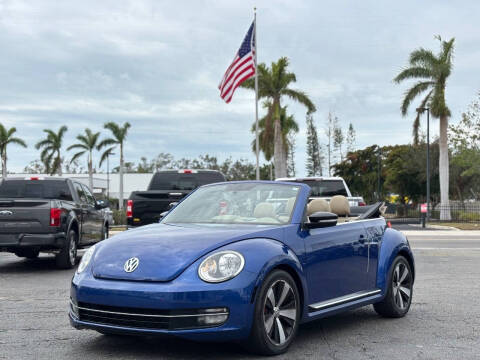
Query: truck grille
149, 318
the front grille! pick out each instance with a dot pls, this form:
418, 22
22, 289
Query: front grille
148, 318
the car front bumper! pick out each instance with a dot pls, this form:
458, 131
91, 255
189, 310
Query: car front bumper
127, 300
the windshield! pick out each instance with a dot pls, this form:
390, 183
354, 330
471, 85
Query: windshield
325, 187
237, 203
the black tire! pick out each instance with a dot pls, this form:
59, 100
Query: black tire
28, 253
67, 257
262, 341
399, 295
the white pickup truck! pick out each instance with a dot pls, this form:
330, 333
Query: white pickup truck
326, 187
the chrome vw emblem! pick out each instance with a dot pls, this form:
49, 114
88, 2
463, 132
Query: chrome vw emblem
6, 213
131, 264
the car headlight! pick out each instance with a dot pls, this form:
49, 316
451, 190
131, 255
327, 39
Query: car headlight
221, 266
86, 259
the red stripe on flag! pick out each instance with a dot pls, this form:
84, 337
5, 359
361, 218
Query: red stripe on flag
248, 75
234, 77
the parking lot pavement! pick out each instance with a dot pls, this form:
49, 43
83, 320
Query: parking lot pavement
443, 322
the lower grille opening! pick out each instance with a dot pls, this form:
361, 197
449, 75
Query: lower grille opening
150, 318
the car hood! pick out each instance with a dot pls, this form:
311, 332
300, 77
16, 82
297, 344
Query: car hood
164, 251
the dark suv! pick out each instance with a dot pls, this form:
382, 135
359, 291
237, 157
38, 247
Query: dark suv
49, 214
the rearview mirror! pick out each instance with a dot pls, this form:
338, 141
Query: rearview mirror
321, 219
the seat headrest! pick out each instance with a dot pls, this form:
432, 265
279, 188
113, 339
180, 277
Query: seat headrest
317, 205
339, 205
264, 210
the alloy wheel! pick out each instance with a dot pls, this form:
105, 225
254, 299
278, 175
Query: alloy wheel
280, 312
72, 251
402, 286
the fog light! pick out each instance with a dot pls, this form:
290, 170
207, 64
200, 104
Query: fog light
213, 316
74, 309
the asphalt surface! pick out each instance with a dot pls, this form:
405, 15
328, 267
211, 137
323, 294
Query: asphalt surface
443, 322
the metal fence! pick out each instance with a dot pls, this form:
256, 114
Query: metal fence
459, 212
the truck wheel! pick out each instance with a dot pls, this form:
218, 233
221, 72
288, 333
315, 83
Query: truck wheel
27, 253
67, 257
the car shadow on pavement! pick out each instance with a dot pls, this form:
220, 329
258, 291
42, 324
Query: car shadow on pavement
312, 339
16, 265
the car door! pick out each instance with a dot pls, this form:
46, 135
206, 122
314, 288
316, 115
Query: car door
95, 215
84, 226
336, 261
375, 229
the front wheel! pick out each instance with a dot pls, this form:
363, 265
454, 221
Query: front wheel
398, 299
67, 257
276, 316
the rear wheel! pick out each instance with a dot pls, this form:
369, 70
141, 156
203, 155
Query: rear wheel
27, 253
67, 257
398, 299
277, 315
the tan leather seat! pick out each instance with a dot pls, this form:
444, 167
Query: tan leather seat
339, 205
290, 204
317, 205
264, 210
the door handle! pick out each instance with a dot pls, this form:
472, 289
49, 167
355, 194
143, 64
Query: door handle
361, 239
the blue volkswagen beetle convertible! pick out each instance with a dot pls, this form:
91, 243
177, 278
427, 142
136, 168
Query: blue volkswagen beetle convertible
243, 261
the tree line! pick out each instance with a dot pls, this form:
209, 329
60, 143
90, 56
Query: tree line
374, 172
51, 147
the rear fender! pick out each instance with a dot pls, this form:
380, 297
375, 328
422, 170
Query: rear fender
394, 243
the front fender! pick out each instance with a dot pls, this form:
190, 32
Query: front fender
264, 255
393, 244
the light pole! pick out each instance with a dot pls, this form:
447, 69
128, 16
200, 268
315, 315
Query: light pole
421, 110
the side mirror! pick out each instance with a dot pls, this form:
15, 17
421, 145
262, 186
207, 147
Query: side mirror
102, 204
321, 219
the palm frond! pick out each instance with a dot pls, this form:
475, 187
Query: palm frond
414, 73
106, 154
423, 58
77, 146
413, 92
301, 97
77, 155
106, 142
17, 141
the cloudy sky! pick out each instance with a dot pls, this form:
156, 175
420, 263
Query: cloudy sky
157, 64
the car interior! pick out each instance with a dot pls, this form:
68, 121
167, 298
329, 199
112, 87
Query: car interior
339, 206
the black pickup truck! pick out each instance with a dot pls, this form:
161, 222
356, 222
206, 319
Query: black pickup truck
49, 214
166, 187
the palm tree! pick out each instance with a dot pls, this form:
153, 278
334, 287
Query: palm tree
433, 72
6, 137
51, 150
273, 85
288, 125
87, 143
119, 136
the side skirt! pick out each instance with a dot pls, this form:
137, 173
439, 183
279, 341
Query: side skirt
342, 300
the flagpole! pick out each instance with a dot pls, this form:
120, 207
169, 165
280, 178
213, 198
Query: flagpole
257, 142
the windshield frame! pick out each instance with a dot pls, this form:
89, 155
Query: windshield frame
300, 187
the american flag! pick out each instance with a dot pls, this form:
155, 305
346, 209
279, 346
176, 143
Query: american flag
242, 67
